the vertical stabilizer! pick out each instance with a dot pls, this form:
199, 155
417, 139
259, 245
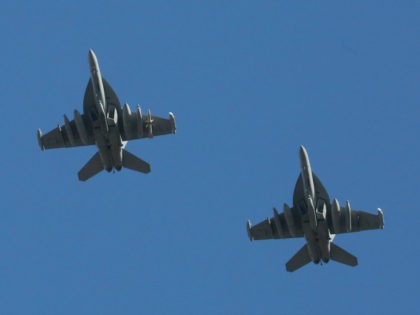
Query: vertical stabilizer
342, 256
300, 259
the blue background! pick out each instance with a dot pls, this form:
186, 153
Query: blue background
248, 81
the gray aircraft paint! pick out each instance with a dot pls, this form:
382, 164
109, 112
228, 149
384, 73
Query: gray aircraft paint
108, 126
316, 219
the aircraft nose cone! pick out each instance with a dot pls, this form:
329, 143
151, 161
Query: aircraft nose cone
303, 155
92, 58
302, 152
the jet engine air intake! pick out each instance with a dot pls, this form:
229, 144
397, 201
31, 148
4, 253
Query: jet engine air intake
112, 116
321, 211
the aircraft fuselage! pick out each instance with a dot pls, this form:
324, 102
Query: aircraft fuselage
103, 110
312, 200
107, 125
317, 219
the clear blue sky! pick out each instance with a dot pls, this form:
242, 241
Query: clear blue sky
248, 81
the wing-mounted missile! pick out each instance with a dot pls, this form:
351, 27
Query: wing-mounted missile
80, 126
288, 215
277, 222
149, 124
335, 214
39, 136
126, 120
248, 229
69, 132
381, 218
173, 123
347, 216
139, 121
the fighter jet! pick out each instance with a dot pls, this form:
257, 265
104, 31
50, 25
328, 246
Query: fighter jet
315, 218
108, 126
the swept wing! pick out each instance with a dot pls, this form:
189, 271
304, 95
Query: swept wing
347, 220
72, 134
283, 225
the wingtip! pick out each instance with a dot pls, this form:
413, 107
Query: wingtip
39, 136
248, 229
381, 218
173, 122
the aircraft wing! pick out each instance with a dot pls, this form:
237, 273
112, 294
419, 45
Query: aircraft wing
163, 126
274, 228
360, 221
67, 135
138, 126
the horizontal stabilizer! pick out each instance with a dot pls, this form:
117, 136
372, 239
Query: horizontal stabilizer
91, 168
342, 256
300, 259
134, 163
